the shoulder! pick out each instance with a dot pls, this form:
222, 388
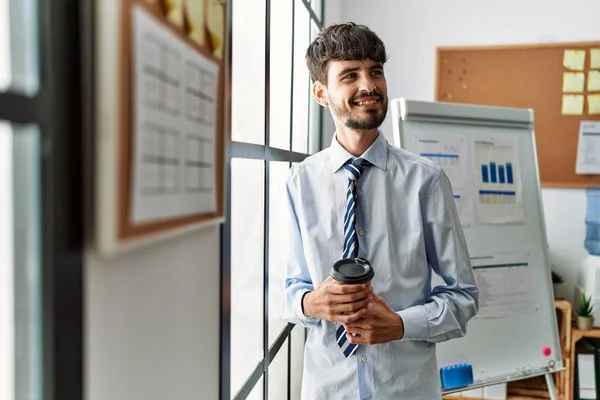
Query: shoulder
311, 165
405, 160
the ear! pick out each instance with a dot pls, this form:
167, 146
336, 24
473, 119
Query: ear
319, 91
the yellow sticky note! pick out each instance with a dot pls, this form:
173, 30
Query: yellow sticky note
594, 58
174, 10
593, 104
573, 82
195, 15
574, 59
572, 104
215, 27
594, 81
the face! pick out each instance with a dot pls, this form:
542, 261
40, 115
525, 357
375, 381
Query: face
356, 93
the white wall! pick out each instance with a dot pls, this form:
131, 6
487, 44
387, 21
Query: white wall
412, 30
152, 321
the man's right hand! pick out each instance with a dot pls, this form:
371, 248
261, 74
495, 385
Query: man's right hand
338, 302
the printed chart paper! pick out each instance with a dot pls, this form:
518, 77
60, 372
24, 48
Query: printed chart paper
450, 153
506, 284
499, 192
588, 148
175, 114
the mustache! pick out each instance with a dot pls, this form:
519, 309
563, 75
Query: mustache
373, 93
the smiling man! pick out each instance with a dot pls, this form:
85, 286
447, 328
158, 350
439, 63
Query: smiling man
362, 197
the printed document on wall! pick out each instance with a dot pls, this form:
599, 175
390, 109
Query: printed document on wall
450, 153
506, 284
175, 92
499, 190
588, 148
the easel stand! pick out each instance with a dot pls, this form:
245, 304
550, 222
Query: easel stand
551, 388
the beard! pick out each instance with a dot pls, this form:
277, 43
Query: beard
372, 120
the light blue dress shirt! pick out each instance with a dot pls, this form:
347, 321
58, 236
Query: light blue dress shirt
408, 229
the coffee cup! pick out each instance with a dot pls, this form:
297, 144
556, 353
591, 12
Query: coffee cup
353, 271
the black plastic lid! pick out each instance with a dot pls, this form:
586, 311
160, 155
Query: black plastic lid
352, 270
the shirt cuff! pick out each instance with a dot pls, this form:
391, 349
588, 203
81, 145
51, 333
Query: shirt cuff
298, 307
415, 323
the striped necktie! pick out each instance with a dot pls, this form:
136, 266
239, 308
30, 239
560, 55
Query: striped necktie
354, 168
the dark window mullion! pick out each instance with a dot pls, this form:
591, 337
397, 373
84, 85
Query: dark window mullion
308, 89
251, 382
225, 300
266, 201
292, 75
289, 366
259, 152
22, 109
313, 16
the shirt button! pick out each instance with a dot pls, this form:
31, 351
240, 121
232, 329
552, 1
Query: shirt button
361, 232
359, 192
364, 358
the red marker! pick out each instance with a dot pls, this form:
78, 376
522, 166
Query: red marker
547, 351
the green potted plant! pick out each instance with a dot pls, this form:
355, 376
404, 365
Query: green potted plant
585, 312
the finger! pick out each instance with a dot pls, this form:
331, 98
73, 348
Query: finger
341, 288
355, 328
362, 324
351, 297
351, 307
356, 339
348, 318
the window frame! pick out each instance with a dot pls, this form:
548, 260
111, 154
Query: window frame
267, 154
56, 109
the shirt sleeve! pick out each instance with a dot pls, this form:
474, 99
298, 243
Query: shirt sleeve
446, 313
297, 277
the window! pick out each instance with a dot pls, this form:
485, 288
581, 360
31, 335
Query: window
18, 47
41, 197
275, 123
20, 263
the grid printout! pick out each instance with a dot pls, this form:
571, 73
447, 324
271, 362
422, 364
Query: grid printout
175, 113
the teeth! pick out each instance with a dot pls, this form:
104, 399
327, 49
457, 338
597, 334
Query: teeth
364, 103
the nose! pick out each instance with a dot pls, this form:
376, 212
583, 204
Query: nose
366, 84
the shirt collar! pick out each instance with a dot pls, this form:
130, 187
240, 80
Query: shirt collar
376, 154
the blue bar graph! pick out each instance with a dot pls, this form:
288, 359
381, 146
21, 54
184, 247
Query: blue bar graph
497, 173
509, 173
494, 178
484, 174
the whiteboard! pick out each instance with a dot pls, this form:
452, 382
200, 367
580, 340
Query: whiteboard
508, 340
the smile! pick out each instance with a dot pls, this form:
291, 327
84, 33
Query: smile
366, 102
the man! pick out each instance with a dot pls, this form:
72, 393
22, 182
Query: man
397, 211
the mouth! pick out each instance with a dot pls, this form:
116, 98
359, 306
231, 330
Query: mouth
367, 101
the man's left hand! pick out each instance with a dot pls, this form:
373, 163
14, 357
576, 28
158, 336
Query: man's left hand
379, 325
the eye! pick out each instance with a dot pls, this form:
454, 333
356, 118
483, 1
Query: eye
376, 72
351, 75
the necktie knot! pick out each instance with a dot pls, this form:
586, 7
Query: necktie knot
355, 167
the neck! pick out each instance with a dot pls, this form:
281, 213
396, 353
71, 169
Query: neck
356, 142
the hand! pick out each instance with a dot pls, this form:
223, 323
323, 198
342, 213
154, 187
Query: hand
337, 302
379, 325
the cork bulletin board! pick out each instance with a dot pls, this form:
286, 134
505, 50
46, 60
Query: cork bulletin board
161, 164
559, 81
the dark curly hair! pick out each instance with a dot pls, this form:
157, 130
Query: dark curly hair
347, 41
